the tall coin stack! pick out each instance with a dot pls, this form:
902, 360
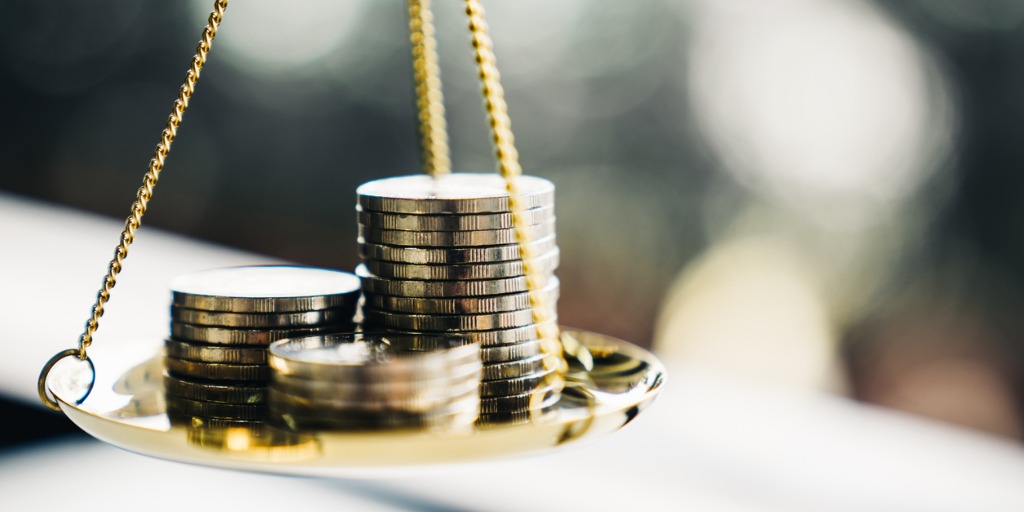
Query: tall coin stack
374, 381
222, 321
440, 255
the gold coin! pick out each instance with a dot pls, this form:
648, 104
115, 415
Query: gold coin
215, 391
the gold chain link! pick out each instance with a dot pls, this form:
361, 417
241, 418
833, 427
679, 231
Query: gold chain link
429, 99
145, 193
508, 166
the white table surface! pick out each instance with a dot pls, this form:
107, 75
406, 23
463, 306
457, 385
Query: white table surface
709, 443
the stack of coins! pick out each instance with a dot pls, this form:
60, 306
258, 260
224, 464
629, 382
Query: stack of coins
375, 381
222, 321
440, 255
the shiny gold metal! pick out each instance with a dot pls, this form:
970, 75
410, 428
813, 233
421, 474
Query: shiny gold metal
429, 100
509, 168
127, 408
145, 193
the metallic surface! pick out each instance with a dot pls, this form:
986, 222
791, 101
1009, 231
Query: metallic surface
125, 410
439, 289
470, 271
265, 289
451, 238
450, 255
461, 193
453, 222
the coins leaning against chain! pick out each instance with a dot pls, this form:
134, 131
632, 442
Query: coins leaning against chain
222, 321
375, 381
441, 255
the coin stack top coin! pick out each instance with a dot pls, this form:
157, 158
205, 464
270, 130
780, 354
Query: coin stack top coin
375, 381
440, 255
222, 321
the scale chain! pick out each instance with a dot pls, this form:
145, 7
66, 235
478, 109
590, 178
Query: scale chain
510, 169
429, 99
145, 193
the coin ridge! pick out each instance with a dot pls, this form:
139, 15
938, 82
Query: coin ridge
544, 263
280, 320
451, 222
376, 196
459, 305
217, 371
451, 255
450, 323
231, 354
252, 337
452, 238
409, 288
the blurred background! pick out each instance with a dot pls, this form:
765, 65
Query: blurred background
809, 193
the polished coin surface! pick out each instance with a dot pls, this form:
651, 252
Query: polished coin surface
538, 399
545, 263
217, 371
374, 356
242, 412
331, 403
392, 392
460, 193
215, 353
228, 336
446, 323
206, 391
471, 222
516, 386
373, 284
265, 289
452, 255
459, 305
317, 317
504, 353
516, 369
451, 238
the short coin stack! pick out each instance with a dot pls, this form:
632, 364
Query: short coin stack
375, 381
222, 321
440, 255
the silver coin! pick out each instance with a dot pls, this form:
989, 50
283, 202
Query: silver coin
228, 336
217, 371
471, 222
516, 369
300, 398
515, 351
382, 392
408, 288
263, 320
448, 323
452, 238
544, 263
265, 289
375, 357
244, 412
215, 392
500, 419
457, 193
460, 305
215, 353
541, 398
517, 386
465, 408
500, 337
451, 255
